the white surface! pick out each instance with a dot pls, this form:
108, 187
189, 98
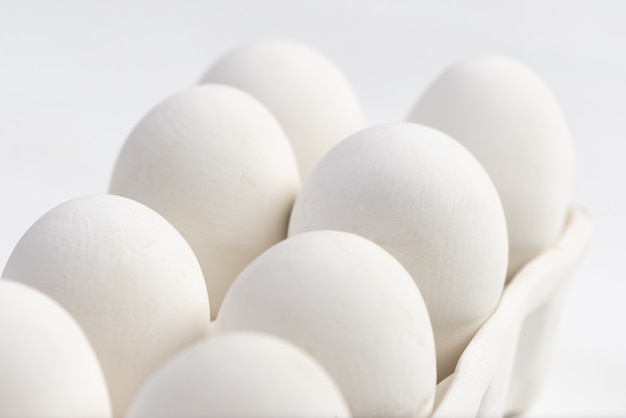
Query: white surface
75, 77
305, 91
217, 165
238, 375
402, 194
384, 324
126, 275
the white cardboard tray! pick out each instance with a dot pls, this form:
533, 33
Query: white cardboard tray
501, 370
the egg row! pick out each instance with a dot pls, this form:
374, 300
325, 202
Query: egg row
400, 238
132, 284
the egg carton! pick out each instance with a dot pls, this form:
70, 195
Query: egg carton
502, 369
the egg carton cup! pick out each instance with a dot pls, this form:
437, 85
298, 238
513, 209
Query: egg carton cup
502, 369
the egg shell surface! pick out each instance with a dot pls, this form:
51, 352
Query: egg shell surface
510, 120
425, 199
128, 278
217, 165
353, 307
240, 375
313, 101
47, 366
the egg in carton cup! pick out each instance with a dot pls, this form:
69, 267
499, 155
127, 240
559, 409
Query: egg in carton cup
510, 121
502, 370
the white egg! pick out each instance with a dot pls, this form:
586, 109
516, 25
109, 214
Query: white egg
307, 93
128, 278
508, 118
240, 375
217, 165
425, 199
350, 305
47, 367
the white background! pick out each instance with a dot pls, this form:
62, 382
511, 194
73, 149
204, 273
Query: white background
75, 77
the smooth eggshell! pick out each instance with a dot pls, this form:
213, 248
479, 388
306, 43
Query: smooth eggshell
353, 307
508, 118
47, 366
426, 200
240, 375
217, 165
128, 278
307, 93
